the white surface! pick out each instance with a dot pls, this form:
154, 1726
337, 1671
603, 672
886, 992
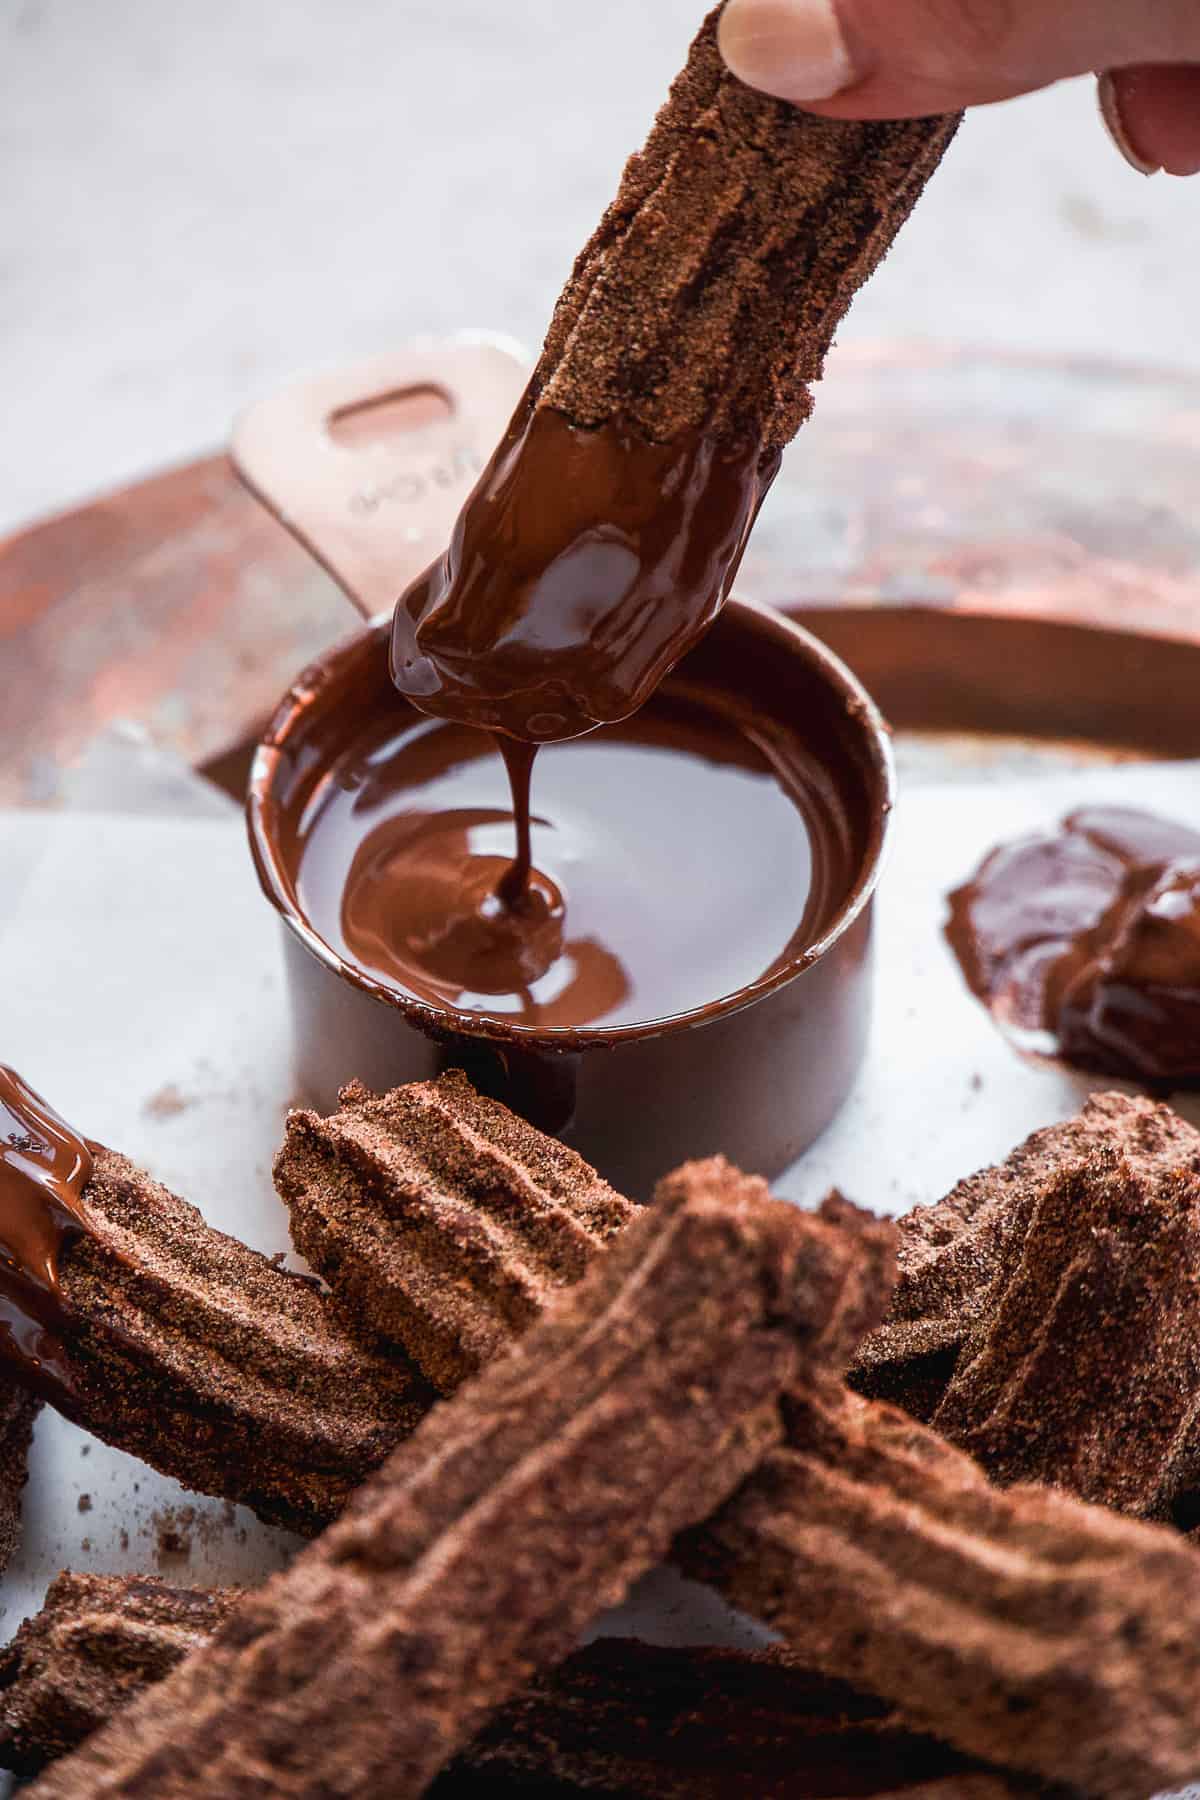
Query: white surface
940, 1093
200, 200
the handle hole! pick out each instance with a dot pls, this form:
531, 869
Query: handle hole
384, 417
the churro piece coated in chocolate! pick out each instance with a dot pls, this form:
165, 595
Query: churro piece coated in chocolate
950, 1254
18, 1410
177, 1343
618, 1718
517, 1510
441, 1220
605, 532
1084, 942
1024, 1626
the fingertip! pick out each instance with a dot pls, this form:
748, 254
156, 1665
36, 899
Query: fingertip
794, 49
1153, 115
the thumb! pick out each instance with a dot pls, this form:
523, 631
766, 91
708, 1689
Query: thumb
903, 58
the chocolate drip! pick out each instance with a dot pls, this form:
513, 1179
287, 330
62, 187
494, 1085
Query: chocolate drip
518, 757
1085, 942
676, 862
605, 532
44, 1167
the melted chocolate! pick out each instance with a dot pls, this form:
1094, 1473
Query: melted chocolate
582, 567
44, 1168
674, 863
1085, 943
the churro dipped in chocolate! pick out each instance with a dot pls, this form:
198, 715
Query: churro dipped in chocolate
18, 1410
1022, 1625
605, 532
617, 1718
441, 1220
517, 1510
177, 1343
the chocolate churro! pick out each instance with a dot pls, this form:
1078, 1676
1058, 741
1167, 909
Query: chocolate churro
1022, 1625
617, 1718
516, 1511
18, 1410
950, 1254
605, 532
179, 1344
97, 1642
620, 1719
440, 1220
1084, 1370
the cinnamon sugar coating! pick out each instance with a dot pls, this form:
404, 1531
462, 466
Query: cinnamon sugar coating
620, 1719
96, 1643
518, 1509
1085, 1369
617, 1718
18, 1411
440, 1219
1022, 1625
711, 289
952, 1253
215, 1365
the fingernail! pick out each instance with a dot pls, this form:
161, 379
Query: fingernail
792, 48
1114, 124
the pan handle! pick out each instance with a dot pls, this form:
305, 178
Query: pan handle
369, 465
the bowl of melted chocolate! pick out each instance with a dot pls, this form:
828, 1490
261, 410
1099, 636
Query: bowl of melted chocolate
657, 947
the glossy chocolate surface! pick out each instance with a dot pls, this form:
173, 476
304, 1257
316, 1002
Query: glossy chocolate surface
756, 1073
44, 1167
674, 863
1085, 943
582, 567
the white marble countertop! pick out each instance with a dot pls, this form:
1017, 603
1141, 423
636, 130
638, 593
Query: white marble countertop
200, 200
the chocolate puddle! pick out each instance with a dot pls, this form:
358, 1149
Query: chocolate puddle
1085, 943
44, 1167
673, 863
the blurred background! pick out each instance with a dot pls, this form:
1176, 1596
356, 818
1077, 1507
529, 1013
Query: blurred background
199, 200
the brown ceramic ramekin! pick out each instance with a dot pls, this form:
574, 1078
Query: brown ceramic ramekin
756, 1074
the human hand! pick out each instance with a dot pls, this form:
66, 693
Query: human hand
888, 59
